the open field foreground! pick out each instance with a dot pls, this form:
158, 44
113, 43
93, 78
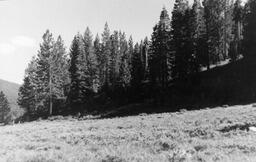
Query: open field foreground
220, 134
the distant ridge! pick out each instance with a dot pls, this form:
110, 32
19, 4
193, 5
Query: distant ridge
11, 90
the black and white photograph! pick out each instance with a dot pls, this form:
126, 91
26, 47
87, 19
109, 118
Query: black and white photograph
127, 80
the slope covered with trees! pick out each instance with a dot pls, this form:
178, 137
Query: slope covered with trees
173, 67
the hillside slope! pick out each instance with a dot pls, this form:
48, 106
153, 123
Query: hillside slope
231, 84
11, 91
219, 134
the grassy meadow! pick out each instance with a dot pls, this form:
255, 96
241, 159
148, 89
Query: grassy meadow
220, 134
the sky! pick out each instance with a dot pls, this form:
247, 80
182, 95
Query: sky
23, 22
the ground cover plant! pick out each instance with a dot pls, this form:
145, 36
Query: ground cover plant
220, 134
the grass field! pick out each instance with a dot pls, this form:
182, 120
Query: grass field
220, 134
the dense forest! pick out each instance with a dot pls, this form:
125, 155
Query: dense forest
103, 72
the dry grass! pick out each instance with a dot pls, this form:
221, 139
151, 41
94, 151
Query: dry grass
219, 134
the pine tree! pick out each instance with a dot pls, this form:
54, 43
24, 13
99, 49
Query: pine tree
43, 73
75, 96
145, 56
236, 44
27, 92
88, 71
114, 60
181, 39
136, 71
60, 75
51, 72
198, 34
26, 99
190, 58
214, 14
249, 39
227, 23
124, 71
160, 51
130, 52
100, 62
153, 56
106, 52
88, 63
4, 108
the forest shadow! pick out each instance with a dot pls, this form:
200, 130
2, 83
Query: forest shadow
224, 86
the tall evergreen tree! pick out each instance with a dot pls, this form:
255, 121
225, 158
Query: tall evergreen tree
249, 40
136, 71
130, 52
181, 38
189, 54
27, 92
114, 60
227, 23
51, 72
236, 44
145, 56
60, 75
214, 14
43, 73
75, 97
26, 99
160, 51
106, 52
87, 69
124, 71
88, 63
198, 34
100, 62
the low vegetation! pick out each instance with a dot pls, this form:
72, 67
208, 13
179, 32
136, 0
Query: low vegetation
220, 134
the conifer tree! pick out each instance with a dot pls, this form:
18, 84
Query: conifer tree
190, 58
136, 71
100, 61
43, 73
214, 14
180, 34
198, 34
106, 52
226, 27
88, 64
124, 71
51, 72
130, 52
114, 60
236, 44
87, 70
60, 75
145, 56
75, 97
26, 99
27, 92
249, 39
160, 51
4, 107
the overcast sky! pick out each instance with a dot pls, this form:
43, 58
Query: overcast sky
23, 22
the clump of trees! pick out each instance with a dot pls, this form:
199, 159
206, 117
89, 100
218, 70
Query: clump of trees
111, 70
104, 68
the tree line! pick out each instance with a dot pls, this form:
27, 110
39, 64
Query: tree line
109, 70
